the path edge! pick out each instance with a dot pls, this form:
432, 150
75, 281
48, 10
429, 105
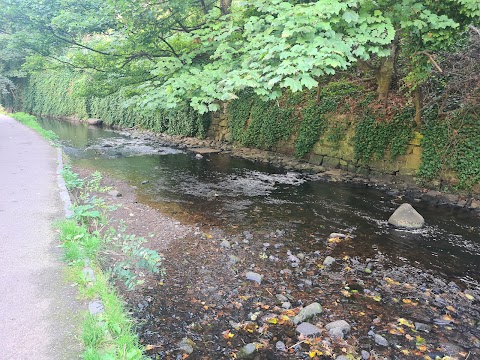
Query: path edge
64, 195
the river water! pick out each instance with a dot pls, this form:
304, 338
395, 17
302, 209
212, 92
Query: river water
239, 195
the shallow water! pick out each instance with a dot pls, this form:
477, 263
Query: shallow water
239, 195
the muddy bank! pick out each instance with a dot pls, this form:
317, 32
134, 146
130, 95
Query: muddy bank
228, 293
405, 186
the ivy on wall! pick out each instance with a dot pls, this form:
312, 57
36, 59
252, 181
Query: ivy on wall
452, 144
373, 138
61, 93
257, 123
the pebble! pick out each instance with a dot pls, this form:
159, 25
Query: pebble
328, 261
308, 329
365, 355
380, 340
286, 305
247, 351
338, 329
225, 244
186, 345
145, 182
337, 235
342, 357
282, 298
96, 307
422, 327
233, 259
280, 346
114, 193
253, 276
308, 312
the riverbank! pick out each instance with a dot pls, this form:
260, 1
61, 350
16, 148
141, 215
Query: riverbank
227, 294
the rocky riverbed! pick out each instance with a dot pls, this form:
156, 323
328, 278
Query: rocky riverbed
252, 294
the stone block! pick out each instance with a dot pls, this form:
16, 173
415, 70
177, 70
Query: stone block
315, 159
331, 162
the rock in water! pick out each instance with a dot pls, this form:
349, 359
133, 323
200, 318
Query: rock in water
307, 312
406, 217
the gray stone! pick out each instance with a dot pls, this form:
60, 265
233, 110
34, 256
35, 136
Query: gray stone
308, 312
337, 235
280, 346
88, 274
233, 260
186, 345
422, 327
339, 324
380, 340
365, 355
406, 217
247, 352
342, 357
336, 333
282, 298
286, 305
328, 261
114, 193
94, 122
253, 276
475, 204
225, 244
308, 329
199, 156
145, 182
95, 307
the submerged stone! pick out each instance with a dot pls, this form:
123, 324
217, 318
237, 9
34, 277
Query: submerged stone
406, 217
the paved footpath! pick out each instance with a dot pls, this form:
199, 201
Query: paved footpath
39, 315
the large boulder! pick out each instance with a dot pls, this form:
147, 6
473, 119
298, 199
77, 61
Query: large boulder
406, 217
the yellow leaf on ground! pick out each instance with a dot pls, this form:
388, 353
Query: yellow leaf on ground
469, 297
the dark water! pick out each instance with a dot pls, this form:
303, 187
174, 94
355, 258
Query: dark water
239, 195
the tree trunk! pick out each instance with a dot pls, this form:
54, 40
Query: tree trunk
225, 6
386, 70
418, 101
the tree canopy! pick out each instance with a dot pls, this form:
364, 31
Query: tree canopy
204, 51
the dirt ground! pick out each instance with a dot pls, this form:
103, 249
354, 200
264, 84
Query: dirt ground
206, 307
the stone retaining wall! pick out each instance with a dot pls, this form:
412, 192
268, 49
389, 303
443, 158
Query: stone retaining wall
337, 156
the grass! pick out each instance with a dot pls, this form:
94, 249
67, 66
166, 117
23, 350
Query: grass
31, 122
110, 334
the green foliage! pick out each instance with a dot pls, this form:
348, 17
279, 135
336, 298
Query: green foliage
258, 123
452, 144
31, 122
54, 93
72, 179
313, 125
372, 137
